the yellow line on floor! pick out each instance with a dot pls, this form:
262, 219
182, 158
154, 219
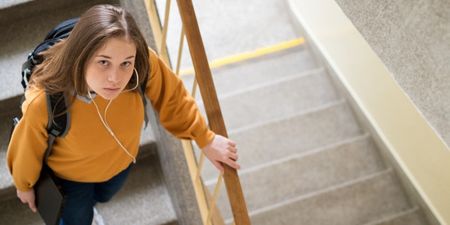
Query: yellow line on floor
249, 55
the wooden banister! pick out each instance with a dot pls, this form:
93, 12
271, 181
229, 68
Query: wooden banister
212, 107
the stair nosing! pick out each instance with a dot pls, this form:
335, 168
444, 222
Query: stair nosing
11, 110
394, 216
14, 4
306, 112
270, 83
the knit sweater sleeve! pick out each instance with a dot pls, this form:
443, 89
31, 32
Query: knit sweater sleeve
177, 109
28, 141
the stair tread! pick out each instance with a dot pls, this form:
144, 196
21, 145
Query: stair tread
12, 3
261, 70
13, 212
12, 11
305, 173
411, 216
259, 103
356, 202
144, 194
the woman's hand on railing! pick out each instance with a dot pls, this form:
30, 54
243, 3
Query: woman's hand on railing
222, 150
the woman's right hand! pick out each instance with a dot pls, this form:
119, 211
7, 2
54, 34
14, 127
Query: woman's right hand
27, 197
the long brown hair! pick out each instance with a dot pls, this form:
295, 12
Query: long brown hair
64, 65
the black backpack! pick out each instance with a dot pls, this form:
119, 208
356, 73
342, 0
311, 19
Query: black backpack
59, 118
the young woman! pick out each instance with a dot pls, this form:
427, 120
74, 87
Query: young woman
102, 64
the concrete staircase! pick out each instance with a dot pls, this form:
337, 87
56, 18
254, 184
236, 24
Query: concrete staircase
304, 157
144, 198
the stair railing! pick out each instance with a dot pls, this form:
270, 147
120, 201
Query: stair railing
203, 79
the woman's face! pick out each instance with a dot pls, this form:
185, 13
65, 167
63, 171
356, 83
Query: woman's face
110, 68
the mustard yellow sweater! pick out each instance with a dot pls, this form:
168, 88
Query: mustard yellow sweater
88, 153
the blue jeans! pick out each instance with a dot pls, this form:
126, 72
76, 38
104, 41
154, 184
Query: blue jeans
80, 198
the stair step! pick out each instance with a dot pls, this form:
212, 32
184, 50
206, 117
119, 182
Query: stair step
147, 147
409, 217
143, 194
6, 184
305, 173
16, 10
143, 200
148, 142
10, 106
353, 203
261, 70
263, 143
284, 97
13, 10
10, 3
13, 212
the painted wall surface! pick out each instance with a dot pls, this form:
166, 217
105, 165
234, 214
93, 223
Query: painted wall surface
412, 38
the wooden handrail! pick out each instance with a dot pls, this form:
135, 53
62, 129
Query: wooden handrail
204, 199
212, 107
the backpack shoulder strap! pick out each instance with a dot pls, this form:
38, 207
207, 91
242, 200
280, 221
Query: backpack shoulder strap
144, 100
58, 119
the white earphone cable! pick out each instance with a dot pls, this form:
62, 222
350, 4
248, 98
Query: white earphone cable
105, 123
110, 130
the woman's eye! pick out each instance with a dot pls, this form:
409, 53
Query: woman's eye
103, 62
126, 64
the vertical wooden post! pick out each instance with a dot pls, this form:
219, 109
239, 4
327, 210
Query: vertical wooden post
209, 96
